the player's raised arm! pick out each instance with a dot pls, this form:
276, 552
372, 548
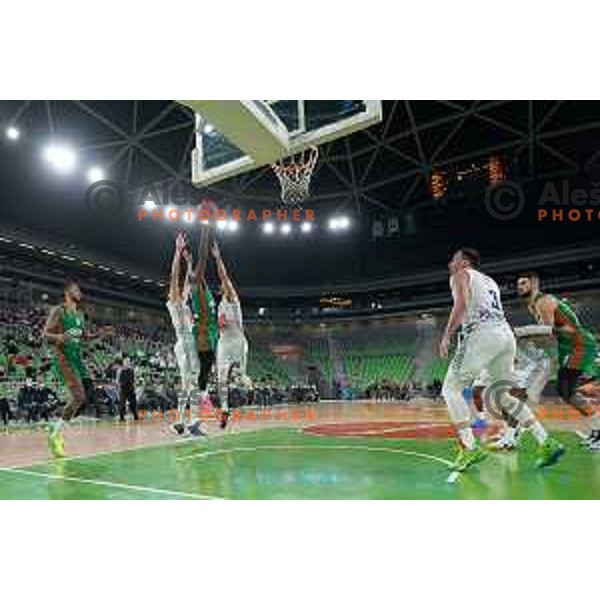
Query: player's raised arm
228, 288
52, 331
189, 277
203, 248
174, 292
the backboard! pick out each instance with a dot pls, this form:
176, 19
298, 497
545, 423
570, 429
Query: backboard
236, 136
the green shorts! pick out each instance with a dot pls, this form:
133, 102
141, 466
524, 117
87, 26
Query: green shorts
69, 369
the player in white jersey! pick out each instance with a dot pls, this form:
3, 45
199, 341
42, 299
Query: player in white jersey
185, 350
232, 349
486, 343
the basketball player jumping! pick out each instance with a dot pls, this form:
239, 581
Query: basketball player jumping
65, 330
486, 342
576, 345
185, 349
206, 328
232, 350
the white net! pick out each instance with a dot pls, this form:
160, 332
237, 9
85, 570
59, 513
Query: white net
294, 174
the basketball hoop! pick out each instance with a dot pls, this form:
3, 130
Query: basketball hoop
295, 175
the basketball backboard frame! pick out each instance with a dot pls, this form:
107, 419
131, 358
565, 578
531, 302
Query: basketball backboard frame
261, 135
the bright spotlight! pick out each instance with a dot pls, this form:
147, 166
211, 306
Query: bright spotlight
12, 133
306, 227
61, 158
151, 203
336, 223
221, 224
286, 229
269, 228
95, 174
233, 225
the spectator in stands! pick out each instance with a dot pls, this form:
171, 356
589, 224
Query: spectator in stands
41, 401
25, 401
169, 391
337, 389
5, 412
126, 382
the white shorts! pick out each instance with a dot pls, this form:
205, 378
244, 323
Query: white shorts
485, 352
186, 355
231, 349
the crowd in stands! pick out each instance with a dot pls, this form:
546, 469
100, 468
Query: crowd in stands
267, 393
31, 392
379, 368
389, 390
386, 390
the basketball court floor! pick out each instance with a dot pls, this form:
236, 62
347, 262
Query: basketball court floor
342, 450
352, 450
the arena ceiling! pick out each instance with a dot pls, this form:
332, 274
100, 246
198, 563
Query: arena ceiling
387, 166
385, 170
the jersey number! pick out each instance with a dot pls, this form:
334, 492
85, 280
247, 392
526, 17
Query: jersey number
495, 301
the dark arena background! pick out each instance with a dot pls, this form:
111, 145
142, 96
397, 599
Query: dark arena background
344, 301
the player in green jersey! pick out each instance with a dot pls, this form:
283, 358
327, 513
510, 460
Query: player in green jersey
576, 346
65, 331
204, 308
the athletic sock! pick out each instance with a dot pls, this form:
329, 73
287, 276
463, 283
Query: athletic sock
540, 434
57, 425
467, 438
